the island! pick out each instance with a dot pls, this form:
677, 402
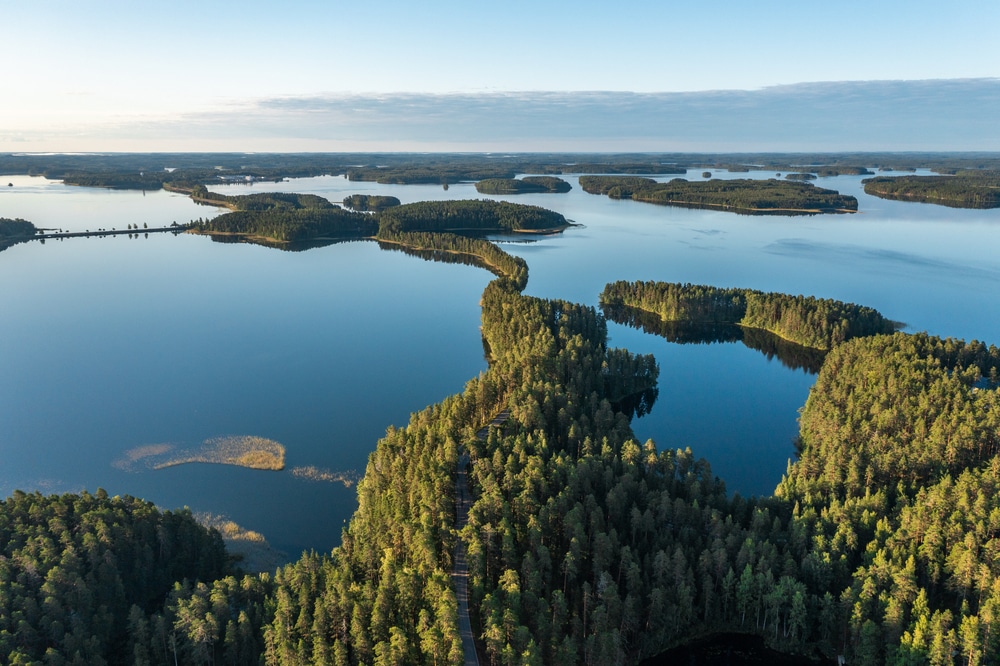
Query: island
370, 202
282, 218
480, 216
14, 231
525, 185
249, 451
746, 196
819, 323
277, 218
965, 189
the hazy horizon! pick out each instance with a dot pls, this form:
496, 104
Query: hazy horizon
862, 116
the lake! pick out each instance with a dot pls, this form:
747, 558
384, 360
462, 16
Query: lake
111, 344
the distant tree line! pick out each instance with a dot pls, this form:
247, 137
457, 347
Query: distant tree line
651, 167
185, 170
424, 175
737, 195
445, 172
820, 323
839, 170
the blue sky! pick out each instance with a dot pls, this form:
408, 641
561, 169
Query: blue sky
81, 75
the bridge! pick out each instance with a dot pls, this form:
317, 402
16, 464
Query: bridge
108, 232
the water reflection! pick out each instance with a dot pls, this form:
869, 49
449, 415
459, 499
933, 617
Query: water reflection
291, 246
638, 404
4, 244
791, 355
442, 256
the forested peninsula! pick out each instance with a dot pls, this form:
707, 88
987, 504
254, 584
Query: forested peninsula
965, 189
745, 196
820, 323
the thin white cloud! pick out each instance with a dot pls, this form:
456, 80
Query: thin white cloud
840, 116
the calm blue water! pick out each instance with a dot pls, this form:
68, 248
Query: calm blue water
111, 344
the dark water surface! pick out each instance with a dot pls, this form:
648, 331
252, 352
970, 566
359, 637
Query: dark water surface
115, 343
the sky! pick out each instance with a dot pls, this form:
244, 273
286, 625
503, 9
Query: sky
112, 75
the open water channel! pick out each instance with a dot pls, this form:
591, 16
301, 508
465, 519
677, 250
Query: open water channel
112, 344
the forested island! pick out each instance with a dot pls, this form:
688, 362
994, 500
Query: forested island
745, 196
965, 189
284, 225
525, 185
265, 201
471, 215
284, 218
820, 323
13, 231
370, 202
